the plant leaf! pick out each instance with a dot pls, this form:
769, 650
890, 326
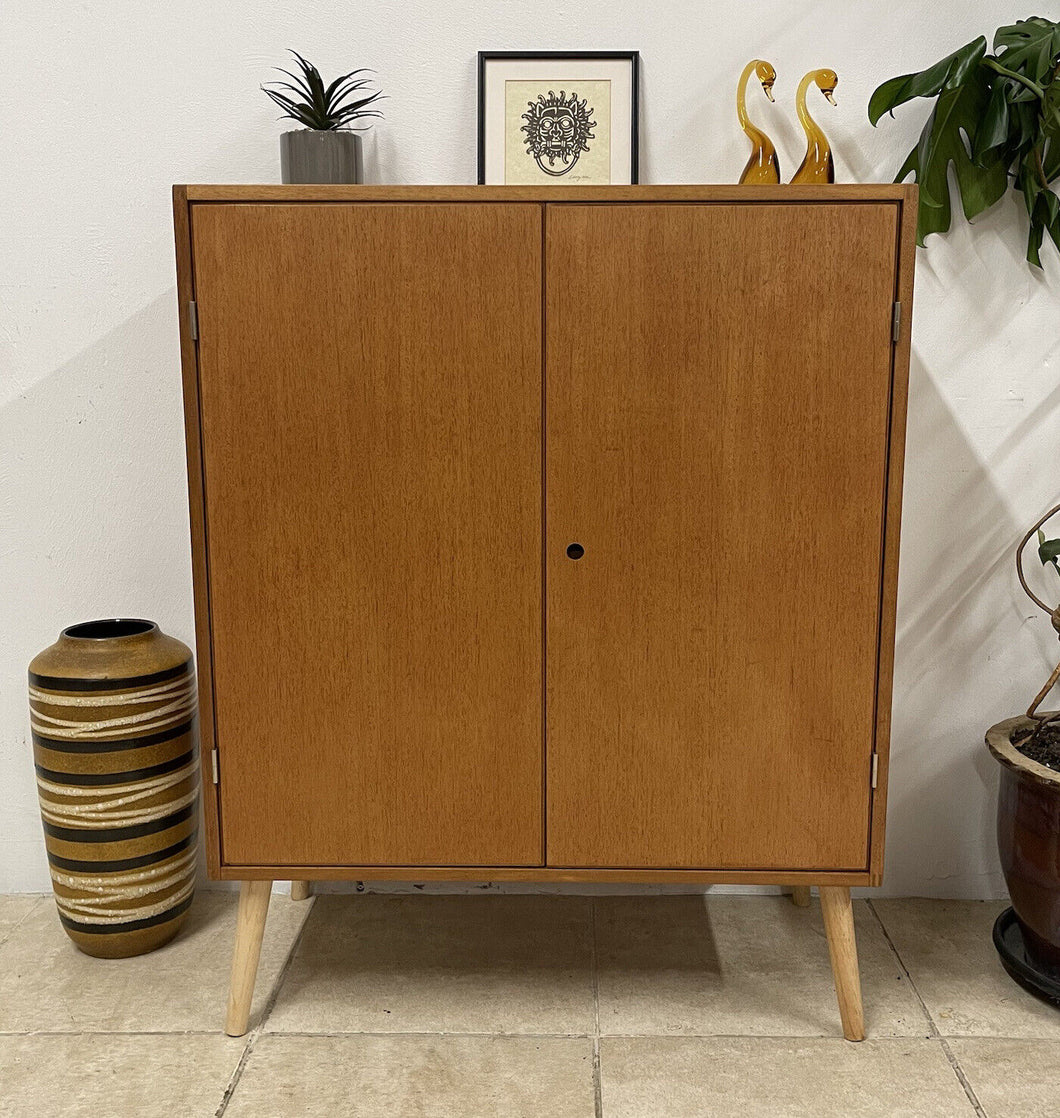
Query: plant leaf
314, 81
331, 89
289, 107
299, 83
930, 219
980, 185
1048, 550
352, 90
993, 130
1045, 218
943, 141
1028, 45
947, 73
958, 107
356, 107
322, 108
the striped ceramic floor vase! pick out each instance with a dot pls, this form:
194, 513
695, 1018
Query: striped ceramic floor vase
112, 711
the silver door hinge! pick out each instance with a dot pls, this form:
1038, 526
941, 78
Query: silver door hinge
896, 322
875, 769
216, 772
193, 316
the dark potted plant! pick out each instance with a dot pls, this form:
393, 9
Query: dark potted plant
328, 148
1027, 935
996, 119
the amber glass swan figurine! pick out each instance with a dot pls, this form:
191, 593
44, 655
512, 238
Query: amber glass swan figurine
817, 166
763, 166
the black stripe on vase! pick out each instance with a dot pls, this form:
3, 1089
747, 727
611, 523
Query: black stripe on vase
113, 865
63, 683
126, 776
118, 834
61, 745
128, 926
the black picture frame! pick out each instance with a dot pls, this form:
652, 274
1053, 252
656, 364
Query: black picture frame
631, 56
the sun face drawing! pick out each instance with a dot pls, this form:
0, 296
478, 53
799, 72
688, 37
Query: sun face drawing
557, 129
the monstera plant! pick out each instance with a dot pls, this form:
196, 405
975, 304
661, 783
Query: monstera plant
996, 119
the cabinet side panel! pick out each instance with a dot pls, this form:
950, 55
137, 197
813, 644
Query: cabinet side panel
196, 507
906, 251
718, 384
370, 380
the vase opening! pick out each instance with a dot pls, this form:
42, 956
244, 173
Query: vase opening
109, 629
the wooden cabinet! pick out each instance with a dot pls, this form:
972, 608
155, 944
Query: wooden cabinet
546, 535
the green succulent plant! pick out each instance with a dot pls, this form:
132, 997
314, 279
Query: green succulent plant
996, 119
323, 108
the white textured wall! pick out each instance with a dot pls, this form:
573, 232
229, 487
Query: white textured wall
108, 103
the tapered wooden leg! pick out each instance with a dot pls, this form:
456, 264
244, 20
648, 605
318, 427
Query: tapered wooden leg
301, 890
250, 927
800, 896
843, 949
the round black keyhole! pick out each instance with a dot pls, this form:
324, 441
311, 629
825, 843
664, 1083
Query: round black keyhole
575, 551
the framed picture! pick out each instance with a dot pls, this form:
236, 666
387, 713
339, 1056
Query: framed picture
557, 117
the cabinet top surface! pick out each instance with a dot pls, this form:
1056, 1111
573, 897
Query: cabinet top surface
844, 192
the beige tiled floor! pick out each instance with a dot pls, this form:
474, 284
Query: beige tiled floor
543, 1006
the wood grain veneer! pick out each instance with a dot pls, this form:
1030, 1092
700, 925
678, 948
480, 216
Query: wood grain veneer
555, 874
750, 195
719, 396
369, 390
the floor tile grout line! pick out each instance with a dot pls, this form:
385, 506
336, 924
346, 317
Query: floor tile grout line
267, 1009
598, 1091
935, 1034
800, 1038
958, 1071
236, 1075
303, 1033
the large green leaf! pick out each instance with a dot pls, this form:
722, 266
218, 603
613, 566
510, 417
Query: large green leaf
993, 131
948, 73
945, 141
1030, 46
1048, 550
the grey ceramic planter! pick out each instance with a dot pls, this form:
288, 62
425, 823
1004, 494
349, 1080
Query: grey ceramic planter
310, 156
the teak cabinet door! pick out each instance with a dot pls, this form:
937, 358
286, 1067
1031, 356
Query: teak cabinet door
370, 386
718, 383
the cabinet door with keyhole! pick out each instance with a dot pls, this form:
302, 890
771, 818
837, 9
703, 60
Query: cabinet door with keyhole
370, 387
718, 393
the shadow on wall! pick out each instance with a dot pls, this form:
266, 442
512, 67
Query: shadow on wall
955, 615
95, 524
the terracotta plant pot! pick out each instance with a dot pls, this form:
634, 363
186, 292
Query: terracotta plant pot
1028, 838
113, 715
309, 156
